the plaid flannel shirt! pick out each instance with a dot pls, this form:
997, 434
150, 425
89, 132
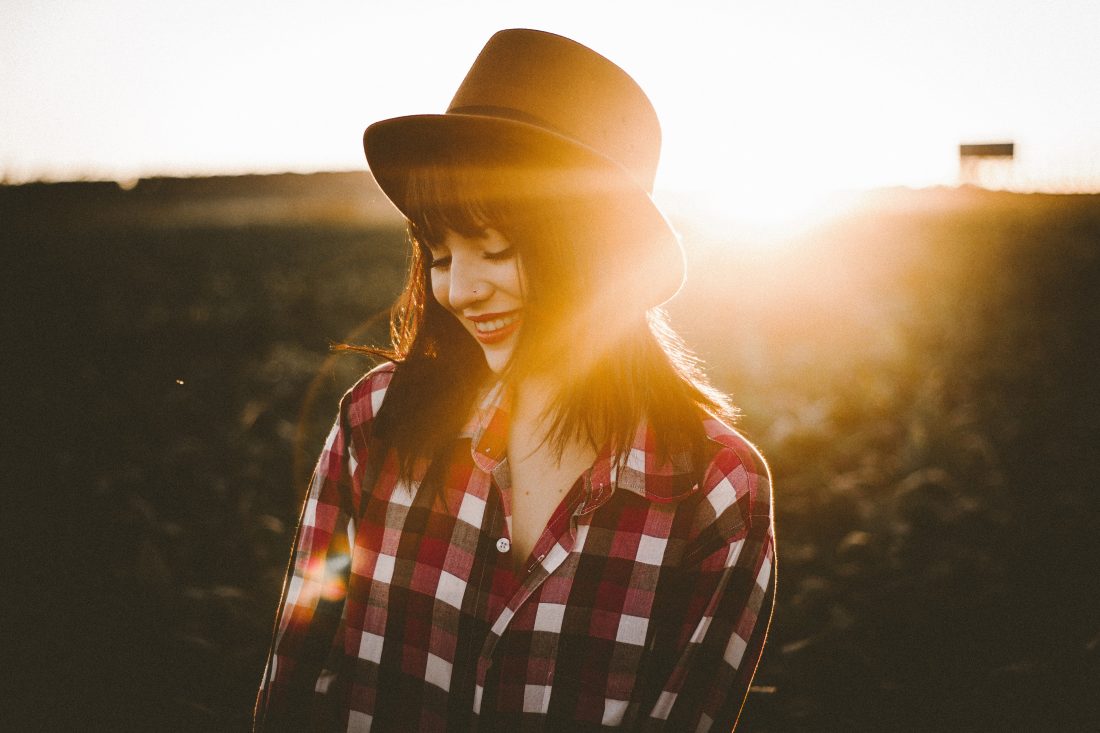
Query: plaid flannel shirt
643, 606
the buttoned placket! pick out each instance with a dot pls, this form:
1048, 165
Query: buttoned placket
581, 505
535, 575
499, 478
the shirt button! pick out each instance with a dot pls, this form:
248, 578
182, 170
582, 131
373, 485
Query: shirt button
503, 545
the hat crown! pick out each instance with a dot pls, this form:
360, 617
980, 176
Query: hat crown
560, 85
553, 108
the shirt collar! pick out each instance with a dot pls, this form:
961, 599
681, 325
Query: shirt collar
640, 470
487, 426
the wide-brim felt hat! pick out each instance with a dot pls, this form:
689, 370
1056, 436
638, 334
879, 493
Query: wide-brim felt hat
561, 108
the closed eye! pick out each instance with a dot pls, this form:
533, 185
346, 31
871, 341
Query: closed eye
504, 254
441, 263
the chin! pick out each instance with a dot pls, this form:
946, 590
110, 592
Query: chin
496, 364
497, 359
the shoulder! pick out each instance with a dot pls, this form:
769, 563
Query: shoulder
361, 403
735, 464
735, 497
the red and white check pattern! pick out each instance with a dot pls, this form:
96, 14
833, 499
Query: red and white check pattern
643, 606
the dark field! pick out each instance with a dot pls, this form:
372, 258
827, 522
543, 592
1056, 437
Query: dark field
922, 374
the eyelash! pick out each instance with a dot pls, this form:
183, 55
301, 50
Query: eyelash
501, 256
504, 254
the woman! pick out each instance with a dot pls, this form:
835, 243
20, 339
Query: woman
531, 516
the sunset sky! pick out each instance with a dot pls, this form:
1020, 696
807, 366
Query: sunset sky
804, 95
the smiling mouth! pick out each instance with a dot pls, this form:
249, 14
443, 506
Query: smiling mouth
494, 330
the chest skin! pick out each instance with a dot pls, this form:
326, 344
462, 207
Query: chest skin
539, 480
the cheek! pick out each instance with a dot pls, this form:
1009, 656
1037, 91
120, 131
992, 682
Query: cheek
519, 281
440, 289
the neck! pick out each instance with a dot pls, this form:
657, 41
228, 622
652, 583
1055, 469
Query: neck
531, 399
532, 417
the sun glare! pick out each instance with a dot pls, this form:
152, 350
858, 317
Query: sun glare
760, 217
774, 190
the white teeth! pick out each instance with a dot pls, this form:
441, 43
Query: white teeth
496, 324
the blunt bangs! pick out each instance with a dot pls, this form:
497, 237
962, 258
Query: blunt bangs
439, 201
466, 197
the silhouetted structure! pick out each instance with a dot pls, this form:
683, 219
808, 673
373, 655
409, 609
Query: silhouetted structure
986, 164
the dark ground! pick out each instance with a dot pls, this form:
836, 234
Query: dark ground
922, 375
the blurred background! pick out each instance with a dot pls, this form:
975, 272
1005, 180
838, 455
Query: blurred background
891, 214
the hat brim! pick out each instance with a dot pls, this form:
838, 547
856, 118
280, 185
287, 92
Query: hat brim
396, 146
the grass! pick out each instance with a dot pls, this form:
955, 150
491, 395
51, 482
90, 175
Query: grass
921, 374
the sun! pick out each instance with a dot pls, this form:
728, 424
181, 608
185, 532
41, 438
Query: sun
757, 216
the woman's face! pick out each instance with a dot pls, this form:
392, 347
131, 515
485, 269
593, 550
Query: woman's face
479, 280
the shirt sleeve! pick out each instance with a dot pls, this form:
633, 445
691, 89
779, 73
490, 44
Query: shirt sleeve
711, 630
313, 597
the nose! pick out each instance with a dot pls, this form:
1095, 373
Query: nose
467, 283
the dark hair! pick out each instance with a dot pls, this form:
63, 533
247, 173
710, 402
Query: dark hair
631, 364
